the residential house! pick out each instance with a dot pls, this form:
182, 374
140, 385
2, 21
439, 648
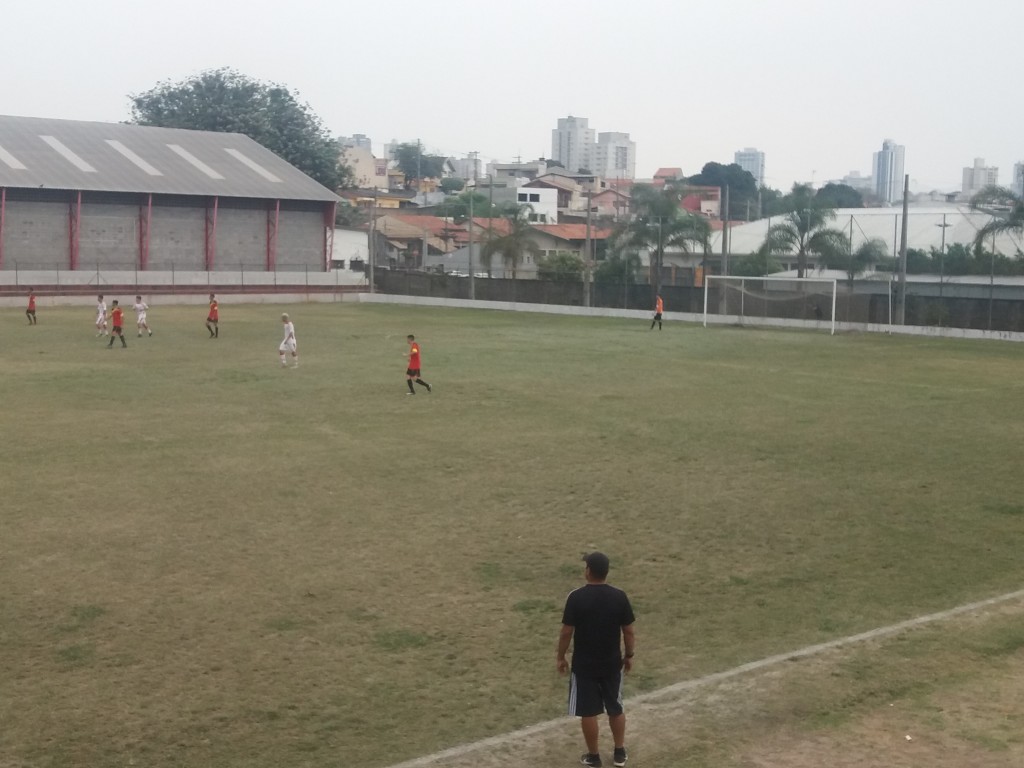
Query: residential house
368, 171
568, 191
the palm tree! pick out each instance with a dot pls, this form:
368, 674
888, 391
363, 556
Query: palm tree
855, 262
805, 230
516, 243
1006, 209
657, 223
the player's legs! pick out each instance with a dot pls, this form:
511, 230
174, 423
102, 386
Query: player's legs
408, 380
422, 383
211, 326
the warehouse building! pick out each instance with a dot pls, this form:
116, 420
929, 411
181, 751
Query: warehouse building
81, 195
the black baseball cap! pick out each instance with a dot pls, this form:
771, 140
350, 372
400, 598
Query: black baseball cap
598, 563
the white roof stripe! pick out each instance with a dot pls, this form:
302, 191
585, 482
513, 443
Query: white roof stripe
252, 164
183, 153
61, 149
133, 157
11, 161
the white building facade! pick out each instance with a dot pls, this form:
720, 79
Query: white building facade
572, 143
614, 156
751, 160
979, 176
888, 172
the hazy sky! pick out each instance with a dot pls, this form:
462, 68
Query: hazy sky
815, 84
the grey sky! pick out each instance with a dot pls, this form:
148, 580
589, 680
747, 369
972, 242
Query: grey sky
815, 84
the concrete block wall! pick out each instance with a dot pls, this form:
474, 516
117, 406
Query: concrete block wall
300, 240
177, 238
36, 235
108, 235
241, 239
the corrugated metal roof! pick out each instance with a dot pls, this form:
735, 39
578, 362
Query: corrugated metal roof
114, 157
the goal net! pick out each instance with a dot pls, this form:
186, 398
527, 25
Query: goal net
796, 301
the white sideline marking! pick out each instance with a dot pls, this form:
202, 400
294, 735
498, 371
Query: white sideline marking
505, 739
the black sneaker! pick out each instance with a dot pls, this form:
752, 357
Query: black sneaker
619, 759
592, 760
429, 389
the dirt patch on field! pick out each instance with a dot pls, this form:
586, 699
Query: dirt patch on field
957, 690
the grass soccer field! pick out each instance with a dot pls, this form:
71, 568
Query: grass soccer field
207, 560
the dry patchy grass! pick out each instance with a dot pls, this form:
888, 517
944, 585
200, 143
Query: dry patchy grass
211, 561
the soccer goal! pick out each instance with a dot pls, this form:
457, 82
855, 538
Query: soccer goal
795, 301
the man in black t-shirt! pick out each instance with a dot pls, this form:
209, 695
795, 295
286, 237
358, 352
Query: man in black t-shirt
596, 615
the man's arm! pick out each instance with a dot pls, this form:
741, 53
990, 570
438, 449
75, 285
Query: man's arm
564, 638
628, 647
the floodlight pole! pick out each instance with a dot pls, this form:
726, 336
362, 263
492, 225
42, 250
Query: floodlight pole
370, 246
942, 253
586, 259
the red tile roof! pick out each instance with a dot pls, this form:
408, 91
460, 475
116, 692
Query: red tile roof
573, 231
498, 226
669, 173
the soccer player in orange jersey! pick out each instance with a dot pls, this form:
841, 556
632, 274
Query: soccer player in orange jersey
412, 373
213, 318
117, 321
659, 305
30, 313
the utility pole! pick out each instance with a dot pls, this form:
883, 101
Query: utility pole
419, 156
725, 233
901, 306
371, 246
472, 285
586, 259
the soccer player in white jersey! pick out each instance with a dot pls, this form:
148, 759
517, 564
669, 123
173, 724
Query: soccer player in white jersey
288, 345
101, 316
140, 308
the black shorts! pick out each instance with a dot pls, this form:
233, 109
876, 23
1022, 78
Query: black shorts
117, 329
414, 372
590, 696
30, 312
657, 315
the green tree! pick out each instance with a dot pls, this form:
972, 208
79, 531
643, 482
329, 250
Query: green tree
1006, 209
516, 243
742, 187
561, 265
452, 184
457, 207
867, 254
351, 216
840, 196
618, 268
415, 164
755, 265
804, 230
226, 101
772, 202
658, 223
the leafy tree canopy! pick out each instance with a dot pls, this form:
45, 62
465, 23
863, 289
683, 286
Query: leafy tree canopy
742, 186
457, 207
618, 268
452, 184
840, 196
227, 101
416, 164
561, 265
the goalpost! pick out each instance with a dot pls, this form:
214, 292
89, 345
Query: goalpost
754, 299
